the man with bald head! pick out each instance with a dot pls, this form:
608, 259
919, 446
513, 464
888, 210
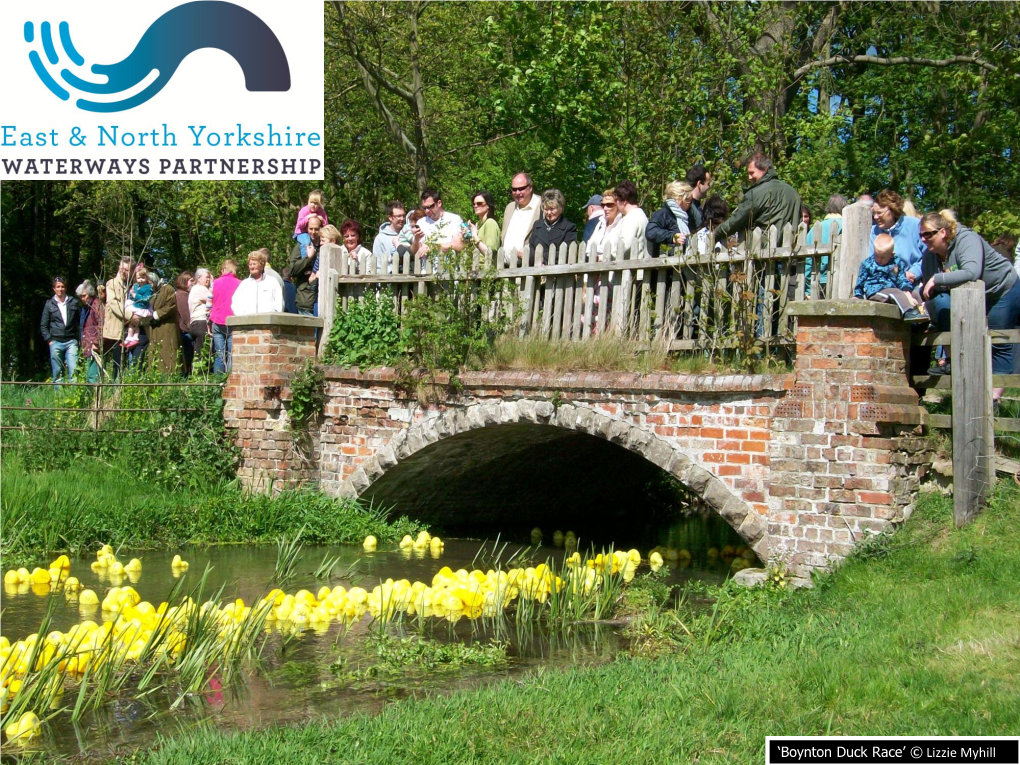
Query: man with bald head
519, 218
303, 263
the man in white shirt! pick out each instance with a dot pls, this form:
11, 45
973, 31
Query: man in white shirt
258, 293
632, 226
519, 217
438, 224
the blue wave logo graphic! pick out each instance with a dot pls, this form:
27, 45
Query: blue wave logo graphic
165, 44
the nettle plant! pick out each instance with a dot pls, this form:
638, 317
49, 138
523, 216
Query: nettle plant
307, 395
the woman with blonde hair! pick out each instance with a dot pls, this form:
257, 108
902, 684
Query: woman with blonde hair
957, 255
670, 225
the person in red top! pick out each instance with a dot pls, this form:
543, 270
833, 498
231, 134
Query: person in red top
223, 290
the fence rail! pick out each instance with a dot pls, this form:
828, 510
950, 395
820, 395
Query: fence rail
691, 299
101, 411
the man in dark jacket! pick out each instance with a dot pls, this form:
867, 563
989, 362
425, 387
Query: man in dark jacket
304, 263
767, 201
59, 327
552, 229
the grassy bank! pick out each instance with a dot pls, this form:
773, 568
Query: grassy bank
98, 502
919, 634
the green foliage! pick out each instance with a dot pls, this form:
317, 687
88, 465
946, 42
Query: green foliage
307, 394
60, 510
366, 333
459, 320
170, 436
396, 657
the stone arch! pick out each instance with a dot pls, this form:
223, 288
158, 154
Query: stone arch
437, 426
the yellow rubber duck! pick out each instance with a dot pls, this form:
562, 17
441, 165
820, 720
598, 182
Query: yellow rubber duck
370, 543
536, 536
11, 577
24, 729
558, 538
40, 576
437, 544
62, 561
406, 543
655, 560
179, 563
133, 566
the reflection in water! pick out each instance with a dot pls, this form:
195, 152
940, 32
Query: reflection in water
296, 680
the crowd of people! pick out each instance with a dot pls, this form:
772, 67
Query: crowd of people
913, 261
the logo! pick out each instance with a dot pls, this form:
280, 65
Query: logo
166, 43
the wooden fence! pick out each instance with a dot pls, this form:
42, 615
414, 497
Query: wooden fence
973, 423
694, 298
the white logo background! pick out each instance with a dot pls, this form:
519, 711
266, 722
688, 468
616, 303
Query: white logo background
207, 89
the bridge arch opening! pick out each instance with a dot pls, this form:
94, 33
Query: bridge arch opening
493, 468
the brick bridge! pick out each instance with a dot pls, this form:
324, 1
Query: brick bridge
802, 465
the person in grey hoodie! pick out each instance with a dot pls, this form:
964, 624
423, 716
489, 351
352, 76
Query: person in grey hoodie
957, 255
394, 238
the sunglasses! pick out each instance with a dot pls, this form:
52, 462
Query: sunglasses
609, 204
927, 235
480, 204
427, 208
518, 190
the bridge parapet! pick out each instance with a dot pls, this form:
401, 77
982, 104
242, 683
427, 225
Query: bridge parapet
802, 465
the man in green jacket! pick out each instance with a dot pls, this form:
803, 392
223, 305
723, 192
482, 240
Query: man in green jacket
304, 270
767, 202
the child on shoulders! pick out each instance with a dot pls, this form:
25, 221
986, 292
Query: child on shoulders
314, 207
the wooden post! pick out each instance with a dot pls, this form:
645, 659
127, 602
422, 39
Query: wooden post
973, 445
853, 249
329, 272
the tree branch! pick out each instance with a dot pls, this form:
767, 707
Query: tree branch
363, 63
897, 61
486, 142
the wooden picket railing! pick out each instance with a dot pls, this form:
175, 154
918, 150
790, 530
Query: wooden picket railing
688, 298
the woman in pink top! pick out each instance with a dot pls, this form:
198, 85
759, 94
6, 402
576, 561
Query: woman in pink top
222, 293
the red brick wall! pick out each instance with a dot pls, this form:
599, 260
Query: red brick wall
265, 356
803, 465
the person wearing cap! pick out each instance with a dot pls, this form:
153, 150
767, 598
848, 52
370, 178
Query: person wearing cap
595, 212
519, 218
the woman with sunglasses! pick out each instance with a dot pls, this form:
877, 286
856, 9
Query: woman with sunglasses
957, 255
486, 232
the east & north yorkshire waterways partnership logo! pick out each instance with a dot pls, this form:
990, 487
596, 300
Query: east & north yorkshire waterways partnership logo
165, 44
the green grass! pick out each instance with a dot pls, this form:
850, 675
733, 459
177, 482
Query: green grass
606, 353
918, 635
97, 502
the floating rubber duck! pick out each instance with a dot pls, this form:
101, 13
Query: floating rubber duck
655, 560
133, 566
437, 545
558, 538
63, 562
88, 598
370, 543
423, 541
179, 563
536, 536
11, 577
26, 728
406, 543
40, 576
